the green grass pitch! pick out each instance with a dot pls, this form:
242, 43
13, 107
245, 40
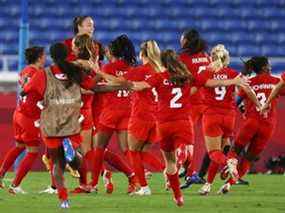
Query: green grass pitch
266, 194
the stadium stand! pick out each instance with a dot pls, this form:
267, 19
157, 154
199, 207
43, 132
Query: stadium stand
246, 27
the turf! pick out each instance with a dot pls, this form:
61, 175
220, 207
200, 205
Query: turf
266, 194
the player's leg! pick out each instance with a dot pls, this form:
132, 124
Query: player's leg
25, 165
9, 159
135, 148
58, 161
168, 147
101, 141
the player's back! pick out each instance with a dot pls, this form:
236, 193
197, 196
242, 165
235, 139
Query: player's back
173, 100
220, 99
196, 63
120, 98
262, 85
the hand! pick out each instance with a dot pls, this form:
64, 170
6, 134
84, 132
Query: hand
263, 109
241, 81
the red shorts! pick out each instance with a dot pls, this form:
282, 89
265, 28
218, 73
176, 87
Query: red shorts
143, 130
196, 112
56, 142
87, 123
25, 130
256, 134
215, 125
113, 121
174, 133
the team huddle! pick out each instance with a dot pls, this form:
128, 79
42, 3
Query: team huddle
76, 105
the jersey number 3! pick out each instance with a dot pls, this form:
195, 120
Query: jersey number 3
177, 95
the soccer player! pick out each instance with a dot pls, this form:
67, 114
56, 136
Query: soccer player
219, 117
121, 56
25, 123
142, 123
193, 55
257, 128
60, 118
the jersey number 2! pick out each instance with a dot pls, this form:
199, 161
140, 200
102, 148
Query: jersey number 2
174, 101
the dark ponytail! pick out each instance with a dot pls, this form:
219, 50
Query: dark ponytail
122, 47
179, 73
255, 64
58, 53
193, 42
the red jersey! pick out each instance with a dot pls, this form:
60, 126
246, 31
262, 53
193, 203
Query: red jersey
196, 64
173, 100
121, 98
143, 102
262, 85
39, 89
218, 99
28, 104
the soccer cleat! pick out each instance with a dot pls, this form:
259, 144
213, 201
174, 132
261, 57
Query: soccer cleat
179, 201
224, 189
143, 191
107, 179
93, 189
232, 168
16, 190
242, 182
205, 190
48, 190
65, 204
74, 173
193, 179
46, 162
81, 189
132, 184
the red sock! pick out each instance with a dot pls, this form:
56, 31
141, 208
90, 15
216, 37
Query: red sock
212, 171
98, 162
117, 162
218, 157
174, 184
83, 172
89, 160
138, 167
243, 167
62, 193
231, 181
24, 167
9, 159
191, 165
152, 161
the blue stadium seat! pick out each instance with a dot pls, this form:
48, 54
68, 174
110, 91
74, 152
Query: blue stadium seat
246, 27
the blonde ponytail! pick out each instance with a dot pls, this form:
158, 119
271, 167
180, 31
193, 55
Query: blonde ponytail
220, 57
151, 50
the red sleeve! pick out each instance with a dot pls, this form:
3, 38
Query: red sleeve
154, 80
88, 82
37, 83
